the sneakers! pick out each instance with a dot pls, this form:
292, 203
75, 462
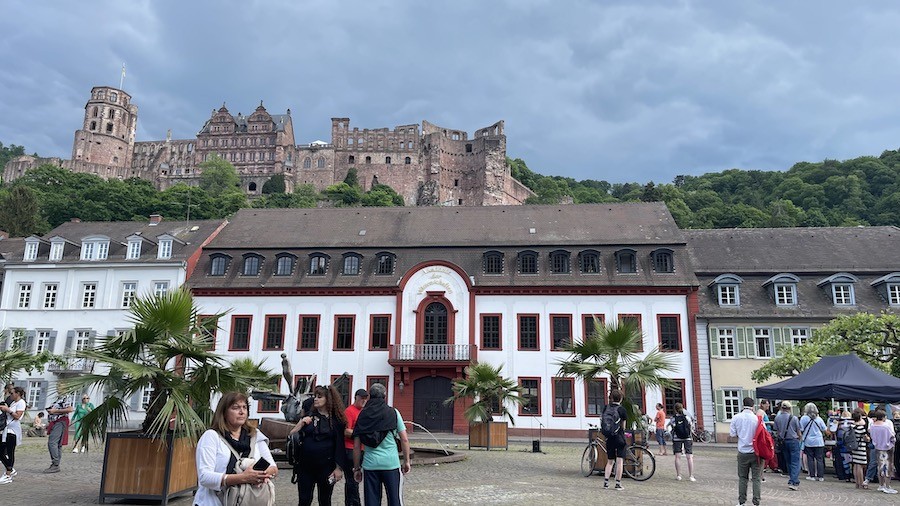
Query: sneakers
605, 485
866, 482
13, 473
820, 478
619, 486
889, 490
5, 479
54, 468
811, 478
678, 477
793, 487
75, 450
693, 479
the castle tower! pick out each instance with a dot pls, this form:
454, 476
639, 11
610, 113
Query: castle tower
107, 135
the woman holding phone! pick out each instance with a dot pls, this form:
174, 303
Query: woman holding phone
322, 452
216, 461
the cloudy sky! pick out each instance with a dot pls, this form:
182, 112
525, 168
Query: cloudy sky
622, 91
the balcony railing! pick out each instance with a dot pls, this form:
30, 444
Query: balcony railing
72, 366
432, 352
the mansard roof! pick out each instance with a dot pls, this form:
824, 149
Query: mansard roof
595, 225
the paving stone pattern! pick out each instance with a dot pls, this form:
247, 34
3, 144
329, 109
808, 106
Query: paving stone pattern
513, 477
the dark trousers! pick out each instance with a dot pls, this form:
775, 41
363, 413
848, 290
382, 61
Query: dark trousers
309, 478
748, 471
8, 451
351, 488
815, 461
373, 481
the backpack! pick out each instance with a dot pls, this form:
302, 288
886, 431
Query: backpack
763, 445
849, 439
610, 424
681, 427
293, 448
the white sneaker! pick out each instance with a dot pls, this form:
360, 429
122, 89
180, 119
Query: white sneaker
693, 479
678, 477
889, 490
811, 478
75, 450
865, 482
881, 488
5, 479
820, 478
13, 473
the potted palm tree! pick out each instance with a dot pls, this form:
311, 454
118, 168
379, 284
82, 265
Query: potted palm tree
613, 350
490, 395
168, 353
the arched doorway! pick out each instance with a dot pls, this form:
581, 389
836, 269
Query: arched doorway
252, 187
429, 410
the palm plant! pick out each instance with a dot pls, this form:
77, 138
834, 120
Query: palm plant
614, 350
168, 351
490, 391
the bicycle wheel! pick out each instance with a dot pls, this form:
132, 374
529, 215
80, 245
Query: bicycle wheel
705, 436
639, 463
588, 459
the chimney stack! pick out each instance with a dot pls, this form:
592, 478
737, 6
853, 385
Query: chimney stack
75, 220
155, 219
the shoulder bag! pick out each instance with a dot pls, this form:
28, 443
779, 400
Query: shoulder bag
247, 494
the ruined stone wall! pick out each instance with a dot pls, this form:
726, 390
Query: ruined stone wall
107, 133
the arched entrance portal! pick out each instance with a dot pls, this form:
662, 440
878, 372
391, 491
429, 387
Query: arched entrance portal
429, 410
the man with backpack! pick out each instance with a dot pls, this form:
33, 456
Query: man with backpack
612, 425
743, 426
787, 428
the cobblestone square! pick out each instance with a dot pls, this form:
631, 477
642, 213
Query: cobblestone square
512, 477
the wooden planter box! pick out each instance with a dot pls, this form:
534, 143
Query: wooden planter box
139, 467
489, 435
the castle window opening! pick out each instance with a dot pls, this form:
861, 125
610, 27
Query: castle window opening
459, 202
407, 160
111, 114
252, 187
456, 182
409, 145
109, 128
368, 159
468, 148
307, 163
93, 125
387, 160
243, 142
271, 156
351, 160
243, 157
113, 96
94, 113
321, 163
455, 136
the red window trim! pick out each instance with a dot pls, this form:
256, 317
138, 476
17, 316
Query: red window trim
277, 409
265, 339
300, 331
571, 333
640, 323
215, 333
537, 318
590, 316
370, 381
420, 316
350, 390
683, 383
571, 382
499, 331
659, 318
372, 331
352, 334
249, 332
539, 395
605, 383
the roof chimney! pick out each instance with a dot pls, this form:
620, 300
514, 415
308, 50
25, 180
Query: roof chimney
75, 220
155, 219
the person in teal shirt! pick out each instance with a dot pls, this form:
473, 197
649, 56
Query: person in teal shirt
83, 409
377, 429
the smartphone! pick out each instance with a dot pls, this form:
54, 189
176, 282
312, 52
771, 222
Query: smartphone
261, 465
331, 480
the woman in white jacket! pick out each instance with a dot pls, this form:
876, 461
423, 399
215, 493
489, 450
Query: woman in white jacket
215, 460
12, 434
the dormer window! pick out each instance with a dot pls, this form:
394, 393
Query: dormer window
134, 250
841, 287
559, 262
626, 261
784, 289
528, 262
728, 289
385, 264
252, 263
165, 249
889, 288
493, 262
351, 264
218, 265
318, 264
102, 250
284, 265
663, 260
95, 248
31, 251
56, 250
590, 262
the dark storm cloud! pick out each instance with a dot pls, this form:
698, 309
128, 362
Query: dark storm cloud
614, 90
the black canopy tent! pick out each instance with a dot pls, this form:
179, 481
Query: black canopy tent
842, 378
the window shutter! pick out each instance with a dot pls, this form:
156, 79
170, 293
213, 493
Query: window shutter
741, 339
779, 341
70, 338
93, 336
720, 405
751, 343
51, 343
713, 342
42, 400
29, 341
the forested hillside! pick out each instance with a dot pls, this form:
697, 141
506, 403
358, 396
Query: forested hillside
861, 191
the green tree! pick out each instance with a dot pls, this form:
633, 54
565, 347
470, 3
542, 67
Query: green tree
351, 178
275, 184
491, 392
342, 194
218, 176
15, 358
875, 338
7, 153
615, 350
169, 351
382, 195
20, 213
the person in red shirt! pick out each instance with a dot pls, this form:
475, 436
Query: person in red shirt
660, 420
351, 487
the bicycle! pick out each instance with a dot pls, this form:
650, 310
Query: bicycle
639, 463
701, 436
